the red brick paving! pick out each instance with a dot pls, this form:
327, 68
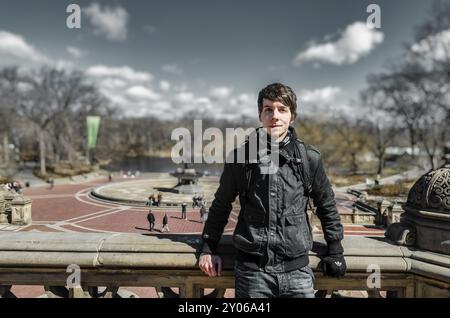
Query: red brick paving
61, 204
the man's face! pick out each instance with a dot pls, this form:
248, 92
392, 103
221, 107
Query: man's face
276, 117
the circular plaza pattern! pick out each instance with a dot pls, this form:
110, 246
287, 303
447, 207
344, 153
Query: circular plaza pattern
136, 192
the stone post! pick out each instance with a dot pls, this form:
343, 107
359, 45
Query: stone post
21, 211
383, 207
3, 215
396, 212
8, 196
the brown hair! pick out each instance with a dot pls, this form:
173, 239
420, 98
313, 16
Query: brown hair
278, 92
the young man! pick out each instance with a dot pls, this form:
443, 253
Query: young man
273, 235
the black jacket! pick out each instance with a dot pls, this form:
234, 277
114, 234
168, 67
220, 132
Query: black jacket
151, 217
273, 231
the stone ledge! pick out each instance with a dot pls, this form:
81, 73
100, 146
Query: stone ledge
179, 251
171, 260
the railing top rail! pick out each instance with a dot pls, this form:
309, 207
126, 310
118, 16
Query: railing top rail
178, 251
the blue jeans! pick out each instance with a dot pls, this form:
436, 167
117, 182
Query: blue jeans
298, 283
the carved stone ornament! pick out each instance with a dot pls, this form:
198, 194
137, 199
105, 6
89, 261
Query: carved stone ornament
432, 191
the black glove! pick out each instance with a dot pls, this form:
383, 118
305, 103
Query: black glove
333, 264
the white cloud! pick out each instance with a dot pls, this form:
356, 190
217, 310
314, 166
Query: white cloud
164, 86
220, 92
124, 72
136, 95
129, 89
140, 92
64, 65
75, 52
356, 41
108, 21
15, 45
204, 103
112, 83
172, 69
320, 96
434, 47
244, 104
326, 102
184, 97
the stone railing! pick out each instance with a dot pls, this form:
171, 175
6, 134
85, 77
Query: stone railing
110, 261
14, 208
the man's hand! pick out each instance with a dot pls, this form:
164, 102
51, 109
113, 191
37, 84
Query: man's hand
334, 266
210, 264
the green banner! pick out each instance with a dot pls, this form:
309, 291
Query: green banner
92, 122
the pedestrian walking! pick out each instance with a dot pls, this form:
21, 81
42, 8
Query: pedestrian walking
151, 220
159, 199
203, 213
183, 210
165, 227
52, 183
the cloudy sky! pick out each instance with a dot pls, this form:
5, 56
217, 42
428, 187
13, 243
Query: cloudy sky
166, 58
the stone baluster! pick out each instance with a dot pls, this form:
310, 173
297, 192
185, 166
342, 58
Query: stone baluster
3, 215
21, 210
9, 197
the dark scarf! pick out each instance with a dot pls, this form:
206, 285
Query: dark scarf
288, 141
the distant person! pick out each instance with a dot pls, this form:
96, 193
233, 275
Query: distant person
151, 200
109, 177
203, 213
196, 201
151, 220
17, 187
183, 210
165, 227
204, 217
51, 181
159, 199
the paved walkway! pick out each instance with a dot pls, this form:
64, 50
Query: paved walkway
69, 208
407, 175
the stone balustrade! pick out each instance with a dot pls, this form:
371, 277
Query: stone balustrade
111, 261
14, 208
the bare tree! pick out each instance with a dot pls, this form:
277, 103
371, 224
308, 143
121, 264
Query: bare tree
10, 86
53, 102
381, 126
